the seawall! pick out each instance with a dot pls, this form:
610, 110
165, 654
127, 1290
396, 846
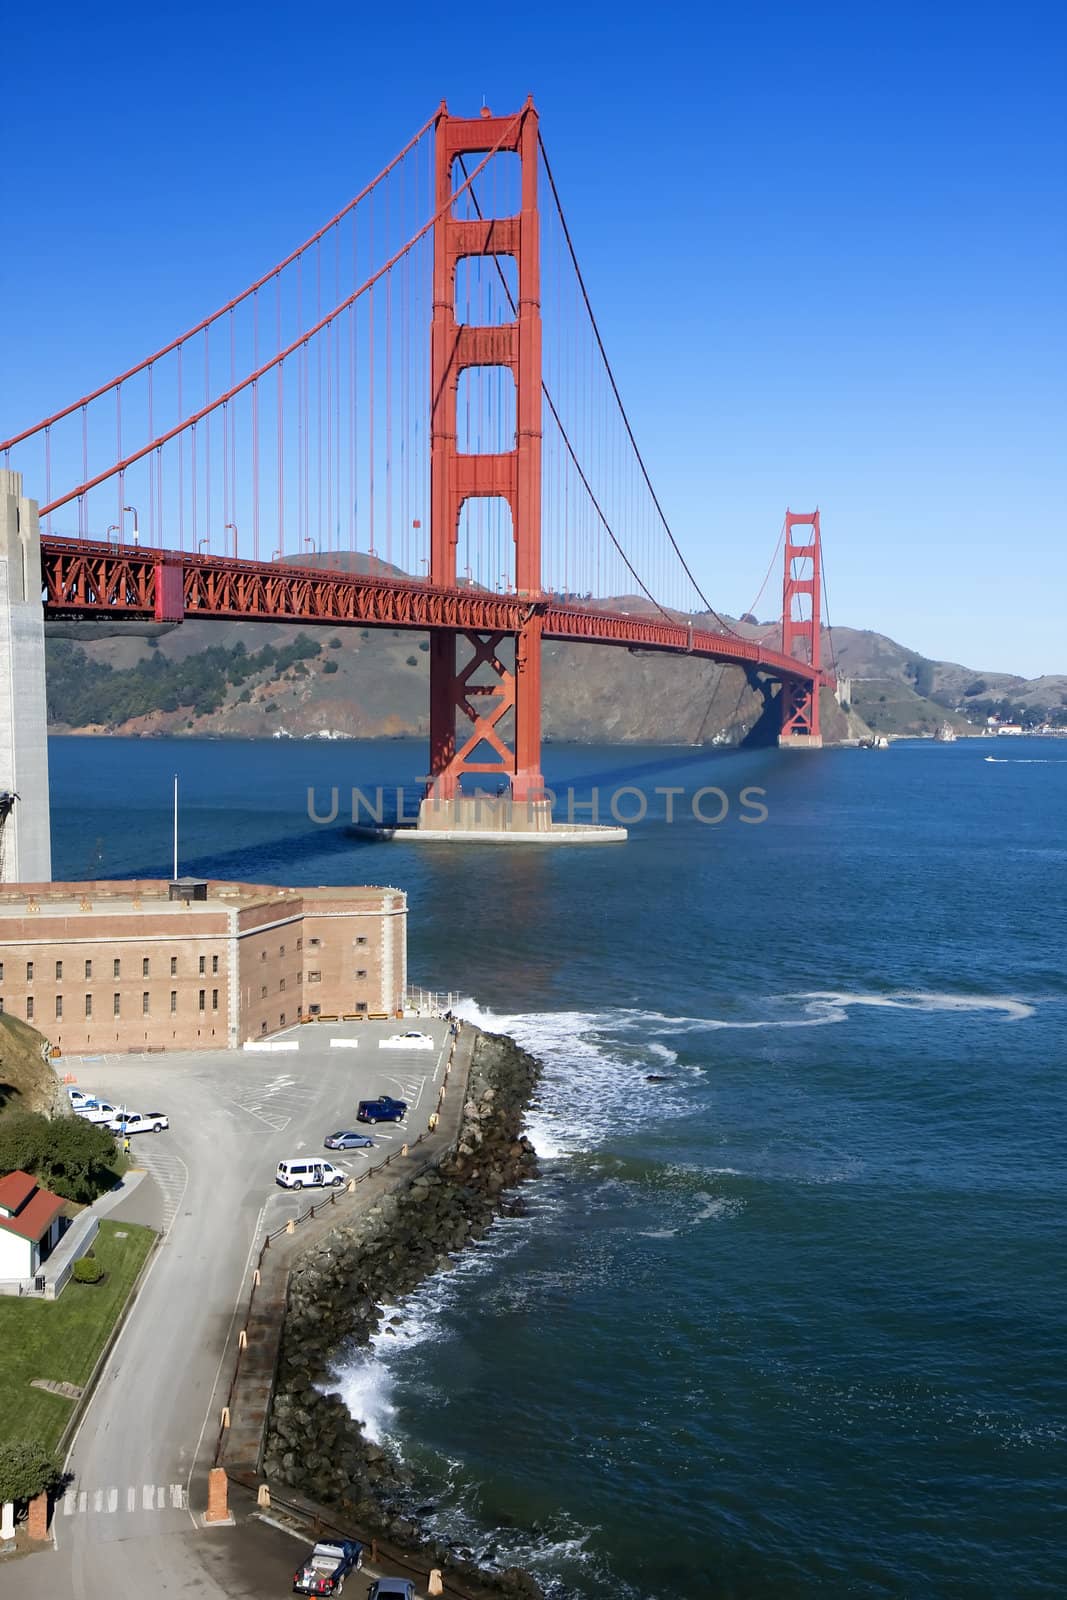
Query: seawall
337, 1289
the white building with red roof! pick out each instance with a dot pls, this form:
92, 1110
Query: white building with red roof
30, 1225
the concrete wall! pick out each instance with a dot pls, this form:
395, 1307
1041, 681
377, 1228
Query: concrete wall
27, 835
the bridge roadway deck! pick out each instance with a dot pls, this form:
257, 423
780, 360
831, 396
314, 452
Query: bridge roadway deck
140, 1456
88, 579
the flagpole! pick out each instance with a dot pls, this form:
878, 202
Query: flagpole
175, 827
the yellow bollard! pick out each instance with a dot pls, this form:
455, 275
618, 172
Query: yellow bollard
225, 1416
290, 1226
242, 1340
435, 1586
263, 1497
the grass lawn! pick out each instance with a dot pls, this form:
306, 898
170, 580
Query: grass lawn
61, 1339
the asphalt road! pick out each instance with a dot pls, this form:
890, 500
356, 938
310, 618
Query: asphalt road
129, 1523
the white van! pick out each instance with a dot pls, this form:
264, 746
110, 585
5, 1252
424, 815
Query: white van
309, 1174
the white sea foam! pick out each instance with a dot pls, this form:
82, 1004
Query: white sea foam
594, 1075
819, 1007
367, 1380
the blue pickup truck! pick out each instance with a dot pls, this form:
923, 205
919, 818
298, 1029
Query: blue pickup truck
384, 1109
327, 1567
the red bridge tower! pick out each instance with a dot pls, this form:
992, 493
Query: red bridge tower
801, 630
501, 705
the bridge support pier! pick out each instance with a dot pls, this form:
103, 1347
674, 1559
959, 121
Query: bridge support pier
25, 824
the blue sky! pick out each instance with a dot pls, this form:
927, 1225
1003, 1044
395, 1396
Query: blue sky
827, 245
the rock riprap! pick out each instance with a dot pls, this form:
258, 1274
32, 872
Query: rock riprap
347, 1288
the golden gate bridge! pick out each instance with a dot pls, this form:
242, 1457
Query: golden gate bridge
305, 453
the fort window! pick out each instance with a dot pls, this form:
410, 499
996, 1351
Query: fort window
214, 999
118, 968
174, 966
263, 955
88, 970
361, 1005
214, 964
313, 1011
173, 1001
203, 999
116, 1005
362, 973
281, 1019
314, 977
263, 992
29, 1008
59, 970
281, 949
145, 1004
361, 938
88, 1005
313, 942
299, 946
281, 983
1, 972
203, 965
29, 972
59, 1006
144, 967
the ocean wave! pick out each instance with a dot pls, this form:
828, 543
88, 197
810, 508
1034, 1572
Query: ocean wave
595, 1072
820, 1007
366, 1381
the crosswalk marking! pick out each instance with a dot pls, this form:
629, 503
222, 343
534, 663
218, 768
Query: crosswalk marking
154, 1497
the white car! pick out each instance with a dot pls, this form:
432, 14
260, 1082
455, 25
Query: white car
98, 1111
80, 1099
412, 1040
127, 1122
308, 1172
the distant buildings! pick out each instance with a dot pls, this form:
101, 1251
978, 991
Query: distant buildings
154, 965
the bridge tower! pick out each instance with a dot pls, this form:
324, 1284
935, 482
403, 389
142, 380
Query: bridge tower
498, 706
801, 630
25, 827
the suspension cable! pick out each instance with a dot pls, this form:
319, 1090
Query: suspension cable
618, 397
563, 432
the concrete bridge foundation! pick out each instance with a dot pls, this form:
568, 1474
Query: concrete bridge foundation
25, 819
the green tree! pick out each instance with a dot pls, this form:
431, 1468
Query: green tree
25, 1469
68, 1155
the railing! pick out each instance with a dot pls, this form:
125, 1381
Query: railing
289, 1228
430, 1002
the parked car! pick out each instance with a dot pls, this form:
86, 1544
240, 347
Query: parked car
302, 1173
384, 1109
348, 1141
327, 1567
412, 1040
392, 1589
127, 1122
80, 1099
99, 1111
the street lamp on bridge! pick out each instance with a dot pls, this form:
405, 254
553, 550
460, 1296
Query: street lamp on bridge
136, 529
233, 525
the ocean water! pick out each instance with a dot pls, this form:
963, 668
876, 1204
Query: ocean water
792, 1321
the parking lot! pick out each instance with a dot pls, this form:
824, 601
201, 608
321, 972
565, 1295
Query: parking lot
256, 1108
